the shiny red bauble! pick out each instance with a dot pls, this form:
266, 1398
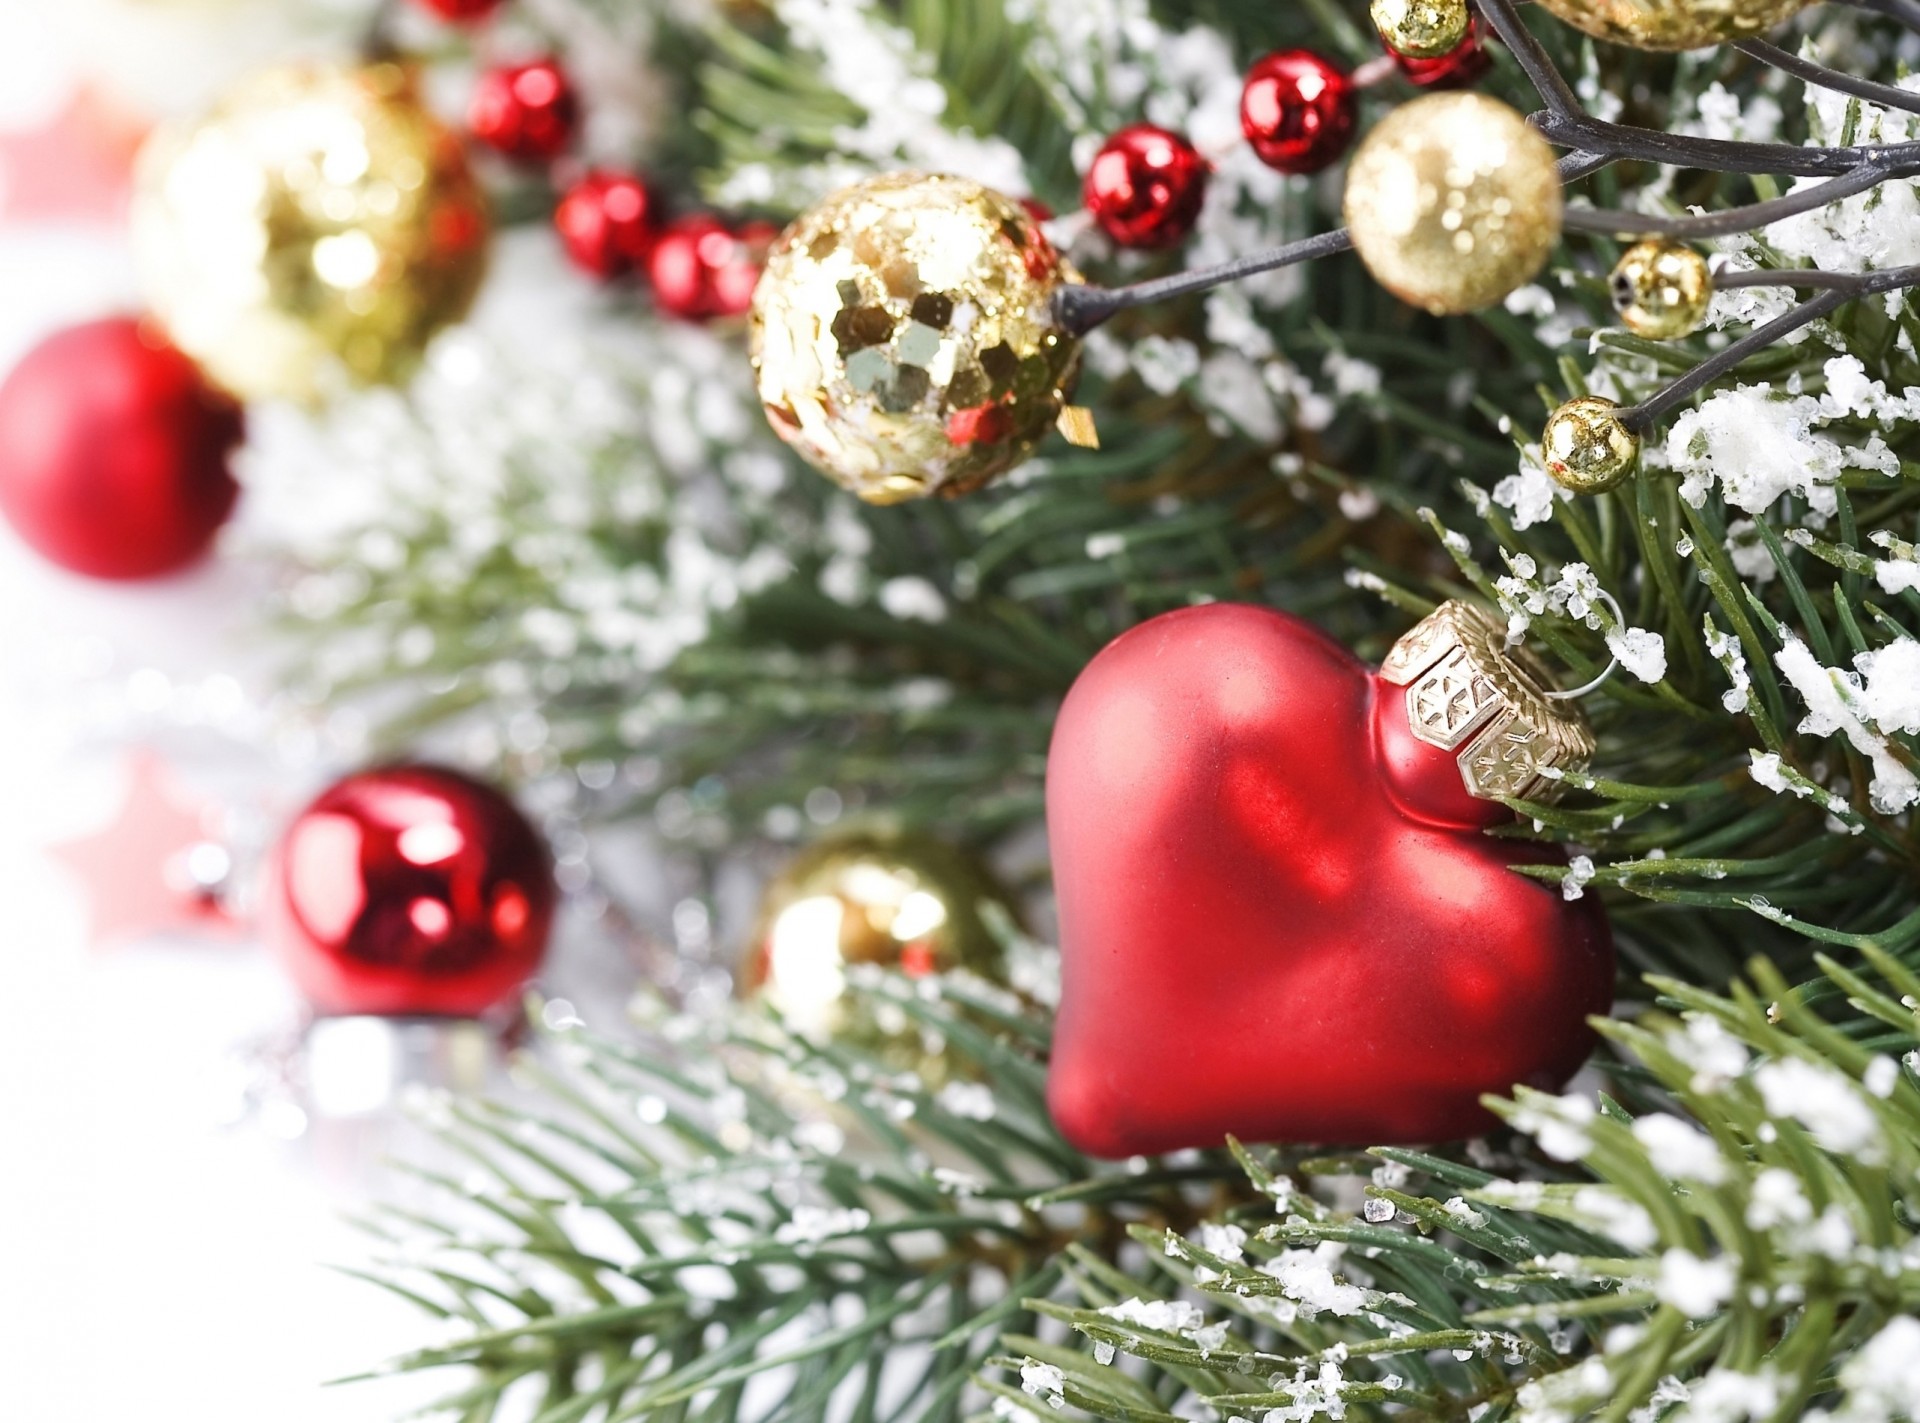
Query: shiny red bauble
1297, 110
526, 111
1145, 187
701, 268
460, 11
114, 452
1279, 915
1458, 68
410, 890
606, 221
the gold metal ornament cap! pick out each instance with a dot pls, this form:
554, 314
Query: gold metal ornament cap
903, 336
1587, 447
1674, 24
317, 221
1469, 693
1421, 29
1662, 290
1453, 202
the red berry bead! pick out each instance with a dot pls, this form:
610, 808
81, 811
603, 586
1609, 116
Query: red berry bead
701, 268
1145, 187
606, 222
526, 111
1297, 111
1458, 68
460, 11
113, 452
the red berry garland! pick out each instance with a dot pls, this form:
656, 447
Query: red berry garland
607, 223
701, 268
1461, 66
1297, 111
1145, 187
460, 11
113, 452
410, 890
526, 111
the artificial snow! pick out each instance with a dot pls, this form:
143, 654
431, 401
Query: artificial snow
1679, 1150
1825, 1103
1695, 1287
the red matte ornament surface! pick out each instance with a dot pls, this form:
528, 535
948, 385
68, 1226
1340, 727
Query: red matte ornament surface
606, 223
1459, 68
1145, 187
114, 452
1279, 916
410, 890
1297, 111
526, 111
701, 268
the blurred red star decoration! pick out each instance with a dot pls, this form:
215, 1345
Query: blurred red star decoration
156, 867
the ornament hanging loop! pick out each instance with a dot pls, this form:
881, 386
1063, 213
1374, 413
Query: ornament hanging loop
1606, 673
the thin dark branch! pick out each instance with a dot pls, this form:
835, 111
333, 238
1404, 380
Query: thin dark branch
1553, 89
1907, 12
1843, 287
1885, 95
1081, 308
1750, 218
1897, 160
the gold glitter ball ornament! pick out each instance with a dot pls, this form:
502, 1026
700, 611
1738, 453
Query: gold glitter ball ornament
1421, 29
1674, 24
904, 340
1662, 290
318, 221
865, 897
1453, 202
1588, 449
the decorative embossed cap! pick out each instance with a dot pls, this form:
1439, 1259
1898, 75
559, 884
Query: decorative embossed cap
1468, 693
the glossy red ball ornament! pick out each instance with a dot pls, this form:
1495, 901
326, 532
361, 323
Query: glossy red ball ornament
1459, 68
1297, 110
526, 111
606, 221
114, 452
460, 12
410, 890
1279, 915
701, 268
1145, 187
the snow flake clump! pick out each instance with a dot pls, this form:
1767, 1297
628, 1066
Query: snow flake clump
1854, 703
1758, 446
1695, 1287
1531, 492
1306, 1276
1641, 652
1223, 1242
1880, 1379
812, 1224
1715, 1055
1777, 1199
1725, 1396
1825, 1103
1612, 1214
1679, 1150
1580, 873
972, 1101
1559, 1124
1044, 1381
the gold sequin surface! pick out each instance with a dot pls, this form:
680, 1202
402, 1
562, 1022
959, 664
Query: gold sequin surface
1674, 24
904, 340
1453, 202
317, 220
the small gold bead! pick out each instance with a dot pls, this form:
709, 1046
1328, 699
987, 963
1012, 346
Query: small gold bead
1662, 290
1421, 29
1588, 449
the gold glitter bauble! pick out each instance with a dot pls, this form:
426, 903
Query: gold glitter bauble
317, 220
1421, 29
905, 902
904, 338
1587, 447
1674, 24
1662, 290
1453, 202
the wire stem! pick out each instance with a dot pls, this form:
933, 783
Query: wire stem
1749, 218
1885, 95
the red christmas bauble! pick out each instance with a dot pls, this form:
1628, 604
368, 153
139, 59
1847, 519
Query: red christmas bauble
1279, 916
410, 890
1459, 68
1145, 186
606, 223
114, 452
701, 268
526, 111
1297, 110
460, 11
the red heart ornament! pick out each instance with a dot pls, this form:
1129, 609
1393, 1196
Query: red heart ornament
1280, 917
